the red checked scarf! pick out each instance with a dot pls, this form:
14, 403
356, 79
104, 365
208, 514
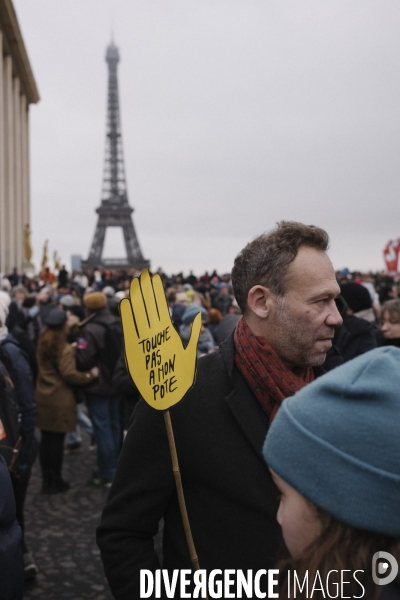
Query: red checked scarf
265, 373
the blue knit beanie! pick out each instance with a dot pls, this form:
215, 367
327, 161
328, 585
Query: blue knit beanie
337, 442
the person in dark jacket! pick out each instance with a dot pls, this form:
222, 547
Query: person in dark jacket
17, 315
126, 389
229, 322
19, 324
22, 377
285, 285
178, 307
18, 367
63, 277
354, 337
223, 300
44, 303
358, 300
11, 566
102, 401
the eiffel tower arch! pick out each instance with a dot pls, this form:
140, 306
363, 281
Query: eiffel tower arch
114, 210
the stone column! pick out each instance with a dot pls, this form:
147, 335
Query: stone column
25, 161
2, 166
18, 226
9, 164
25, 169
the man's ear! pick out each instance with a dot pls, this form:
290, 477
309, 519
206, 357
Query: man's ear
260, 301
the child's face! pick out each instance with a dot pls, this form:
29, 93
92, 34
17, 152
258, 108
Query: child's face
390, 328
297, 516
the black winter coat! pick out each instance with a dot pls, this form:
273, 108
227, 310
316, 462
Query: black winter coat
391, 591
125, 388
93, 354
21, 374
231, 499
353, 338
11, 569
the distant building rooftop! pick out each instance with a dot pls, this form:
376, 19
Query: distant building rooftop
15, 47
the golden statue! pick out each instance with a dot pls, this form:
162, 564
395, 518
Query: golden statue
27, 244
45, 256
56, 261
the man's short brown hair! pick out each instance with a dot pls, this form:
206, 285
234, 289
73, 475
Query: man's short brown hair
265, 260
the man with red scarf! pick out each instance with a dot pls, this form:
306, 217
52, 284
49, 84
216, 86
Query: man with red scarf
285, 285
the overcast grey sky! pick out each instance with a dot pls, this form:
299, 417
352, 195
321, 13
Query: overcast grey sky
235, 115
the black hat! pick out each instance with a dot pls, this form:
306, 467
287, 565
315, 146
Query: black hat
356, 296
76, 310
55, 318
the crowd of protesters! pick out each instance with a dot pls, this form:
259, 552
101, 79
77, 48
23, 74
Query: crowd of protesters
61, 346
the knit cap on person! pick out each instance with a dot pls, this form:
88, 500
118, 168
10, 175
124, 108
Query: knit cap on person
120, 295
109, 291
67, 300
95, 300
336, 442
191, 311
356, 295
77, 311
55, 318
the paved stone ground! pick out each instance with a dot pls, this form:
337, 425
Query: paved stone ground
60, 531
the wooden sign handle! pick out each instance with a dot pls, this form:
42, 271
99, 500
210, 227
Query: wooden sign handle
179, 489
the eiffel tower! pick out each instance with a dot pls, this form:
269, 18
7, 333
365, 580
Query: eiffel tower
114, 210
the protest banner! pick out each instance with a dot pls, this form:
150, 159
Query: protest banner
162, 369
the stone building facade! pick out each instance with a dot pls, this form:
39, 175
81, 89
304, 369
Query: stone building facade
17, 91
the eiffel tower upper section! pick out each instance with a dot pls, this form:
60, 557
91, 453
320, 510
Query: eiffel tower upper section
114, 210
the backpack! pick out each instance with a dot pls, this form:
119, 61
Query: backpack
10, 419
113, 343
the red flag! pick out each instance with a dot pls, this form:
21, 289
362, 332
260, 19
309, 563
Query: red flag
391, 256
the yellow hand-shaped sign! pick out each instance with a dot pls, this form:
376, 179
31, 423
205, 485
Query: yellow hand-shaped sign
162, 369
